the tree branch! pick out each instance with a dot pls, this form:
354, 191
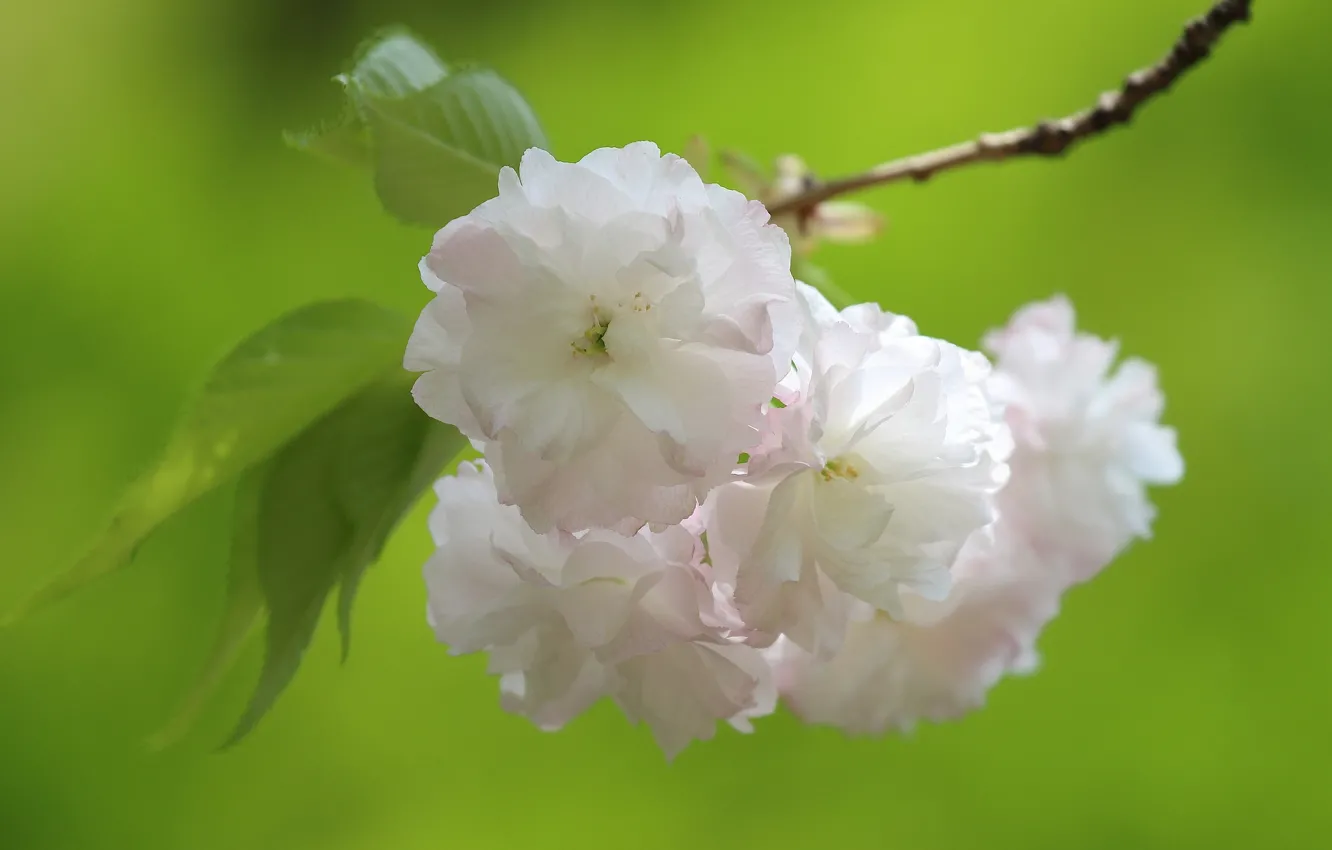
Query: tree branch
1048, 138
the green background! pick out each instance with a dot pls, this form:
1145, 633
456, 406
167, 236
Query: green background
151, 217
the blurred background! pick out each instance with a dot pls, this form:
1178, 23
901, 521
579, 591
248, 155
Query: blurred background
151, 217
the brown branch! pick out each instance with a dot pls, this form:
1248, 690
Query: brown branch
1048, 138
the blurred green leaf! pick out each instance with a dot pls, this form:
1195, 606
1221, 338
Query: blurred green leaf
391, 64
438, 152
377, 501
269, 389
394, 63
435, 137
329, 501
345, 141
244, 609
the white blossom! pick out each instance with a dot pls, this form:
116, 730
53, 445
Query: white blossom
1087, 437
940, 658
567, 619
883, 461
611, 330
710, 487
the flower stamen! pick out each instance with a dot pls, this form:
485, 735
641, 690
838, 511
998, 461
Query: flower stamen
839, 468
593, 340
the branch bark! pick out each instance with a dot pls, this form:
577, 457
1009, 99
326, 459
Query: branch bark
1048, 138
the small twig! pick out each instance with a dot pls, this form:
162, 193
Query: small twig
1048, 138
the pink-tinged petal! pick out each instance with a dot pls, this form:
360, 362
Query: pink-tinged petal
939, 662
1087, 438
601, 586
1151, 455
567, 618
682, 692
890, 454
849, 516
621, 320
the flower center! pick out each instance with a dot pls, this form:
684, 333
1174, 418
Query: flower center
592, 342
839, 468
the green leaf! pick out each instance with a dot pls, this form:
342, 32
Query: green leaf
329, 502
394, 63
344, 141
391, 64
438, 152
302, 537
244, 609
436, 137
377, 501
256, 400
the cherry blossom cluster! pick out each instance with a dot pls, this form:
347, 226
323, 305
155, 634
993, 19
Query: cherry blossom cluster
704, 487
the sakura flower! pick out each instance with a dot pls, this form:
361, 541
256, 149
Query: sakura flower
1087, 437
883, 461
1086, 442
568, 619
611, 329
941, 658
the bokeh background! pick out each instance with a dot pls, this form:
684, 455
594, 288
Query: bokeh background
150, 217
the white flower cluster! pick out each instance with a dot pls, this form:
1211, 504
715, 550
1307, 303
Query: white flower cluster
704, 486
